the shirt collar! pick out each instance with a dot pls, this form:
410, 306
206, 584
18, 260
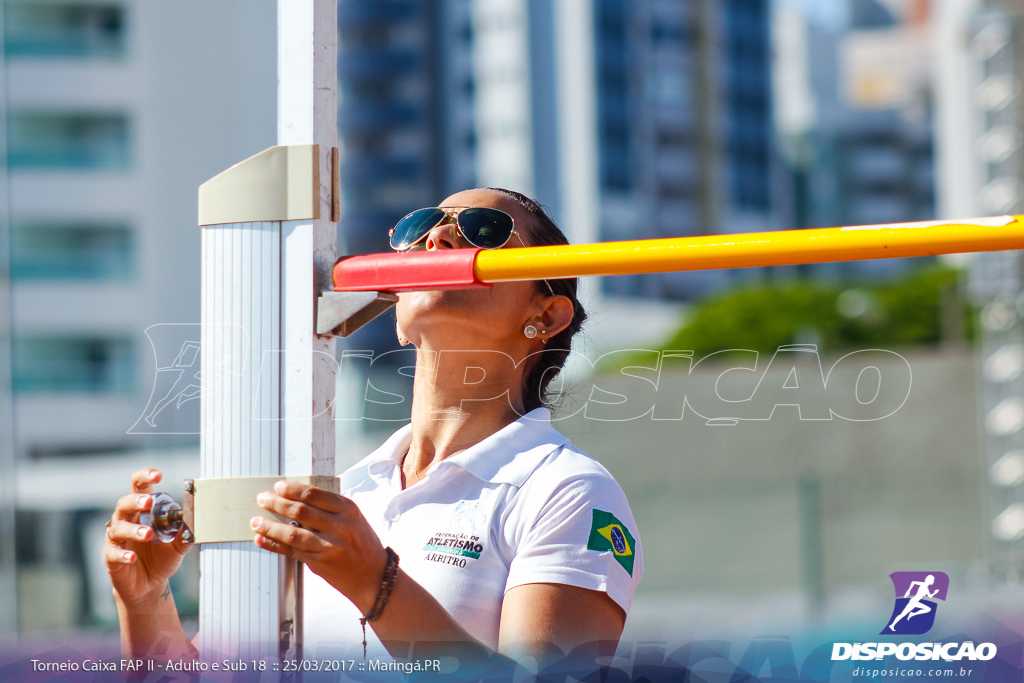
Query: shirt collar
508, 456
512, 453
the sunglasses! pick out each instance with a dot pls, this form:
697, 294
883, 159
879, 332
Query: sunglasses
482, 227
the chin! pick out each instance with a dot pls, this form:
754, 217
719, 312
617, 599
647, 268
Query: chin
468, 311
413, 306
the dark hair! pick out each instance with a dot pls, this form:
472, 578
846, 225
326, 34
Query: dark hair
551, 361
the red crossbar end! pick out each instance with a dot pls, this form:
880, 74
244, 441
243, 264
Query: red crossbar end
407, 272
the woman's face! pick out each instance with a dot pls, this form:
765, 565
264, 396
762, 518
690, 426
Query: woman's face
491, 318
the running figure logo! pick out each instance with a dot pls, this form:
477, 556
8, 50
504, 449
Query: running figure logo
914, 613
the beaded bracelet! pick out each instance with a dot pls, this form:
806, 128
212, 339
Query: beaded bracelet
387, 584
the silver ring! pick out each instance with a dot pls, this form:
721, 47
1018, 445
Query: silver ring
295, 524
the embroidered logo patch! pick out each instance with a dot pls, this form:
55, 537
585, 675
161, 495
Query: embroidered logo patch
460, 542
455, 544
608, 533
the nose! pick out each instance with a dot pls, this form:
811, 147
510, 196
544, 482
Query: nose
443, 236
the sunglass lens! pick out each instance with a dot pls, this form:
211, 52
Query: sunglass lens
486, 228
414, 226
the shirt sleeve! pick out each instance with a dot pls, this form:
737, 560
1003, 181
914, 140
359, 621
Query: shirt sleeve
579, 533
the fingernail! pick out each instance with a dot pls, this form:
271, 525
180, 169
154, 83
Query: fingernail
279, 486
262, 498
143, 500
256, 522
126, 556
141, 532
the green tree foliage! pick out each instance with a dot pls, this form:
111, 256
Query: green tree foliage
834, 316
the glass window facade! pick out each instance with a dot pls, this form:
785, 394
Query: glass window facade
88, 364
406, 90
63, 251
747, 86
883, 170
684, 124
54, 29
40, 139
613, 75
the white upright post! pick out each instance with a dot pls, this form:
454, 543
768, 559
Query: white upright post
959, 168
501, 67
307, 113
576, 81
577, 122
269, 379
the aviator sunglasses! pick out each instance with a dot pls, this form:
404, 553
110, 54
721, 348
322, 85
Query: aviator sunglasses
482, 227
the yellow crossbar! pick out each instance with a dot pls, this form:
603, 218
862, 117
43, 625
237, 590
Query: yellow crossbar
786, 247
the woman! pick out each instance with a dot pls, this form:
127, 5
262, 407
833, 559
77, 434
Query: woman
506, 535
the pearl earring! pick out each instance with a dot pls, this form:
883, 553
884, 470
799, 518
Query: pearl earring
530, 331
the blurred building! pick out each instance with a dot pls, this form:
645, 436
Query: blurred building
883, 145
684, 127
997, 178
979, 72
863, 152
442, 95
917, 112
113, 120
406, 111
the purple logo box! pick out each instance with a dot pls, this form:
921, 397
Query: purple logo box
915, 608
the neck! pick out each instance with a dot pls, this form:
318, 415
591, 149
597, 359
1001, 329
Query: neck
452, 410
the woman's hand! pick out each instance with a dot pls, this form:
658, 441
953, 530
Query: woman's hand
139, 569
337, 543
334, 538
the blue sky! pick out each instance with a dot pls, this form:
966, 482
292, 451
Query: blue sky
830, 14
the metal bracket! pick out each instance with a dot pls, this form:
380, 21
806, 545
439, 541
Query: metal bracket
342, 313
219, 510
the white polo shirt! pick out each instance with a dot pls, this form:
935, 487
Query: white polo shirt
522, 506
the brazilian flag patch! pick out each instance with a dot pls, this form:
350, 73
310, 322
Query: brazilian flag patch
608, 533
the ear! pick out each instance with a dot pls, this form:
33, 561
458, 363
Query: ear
556, 314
